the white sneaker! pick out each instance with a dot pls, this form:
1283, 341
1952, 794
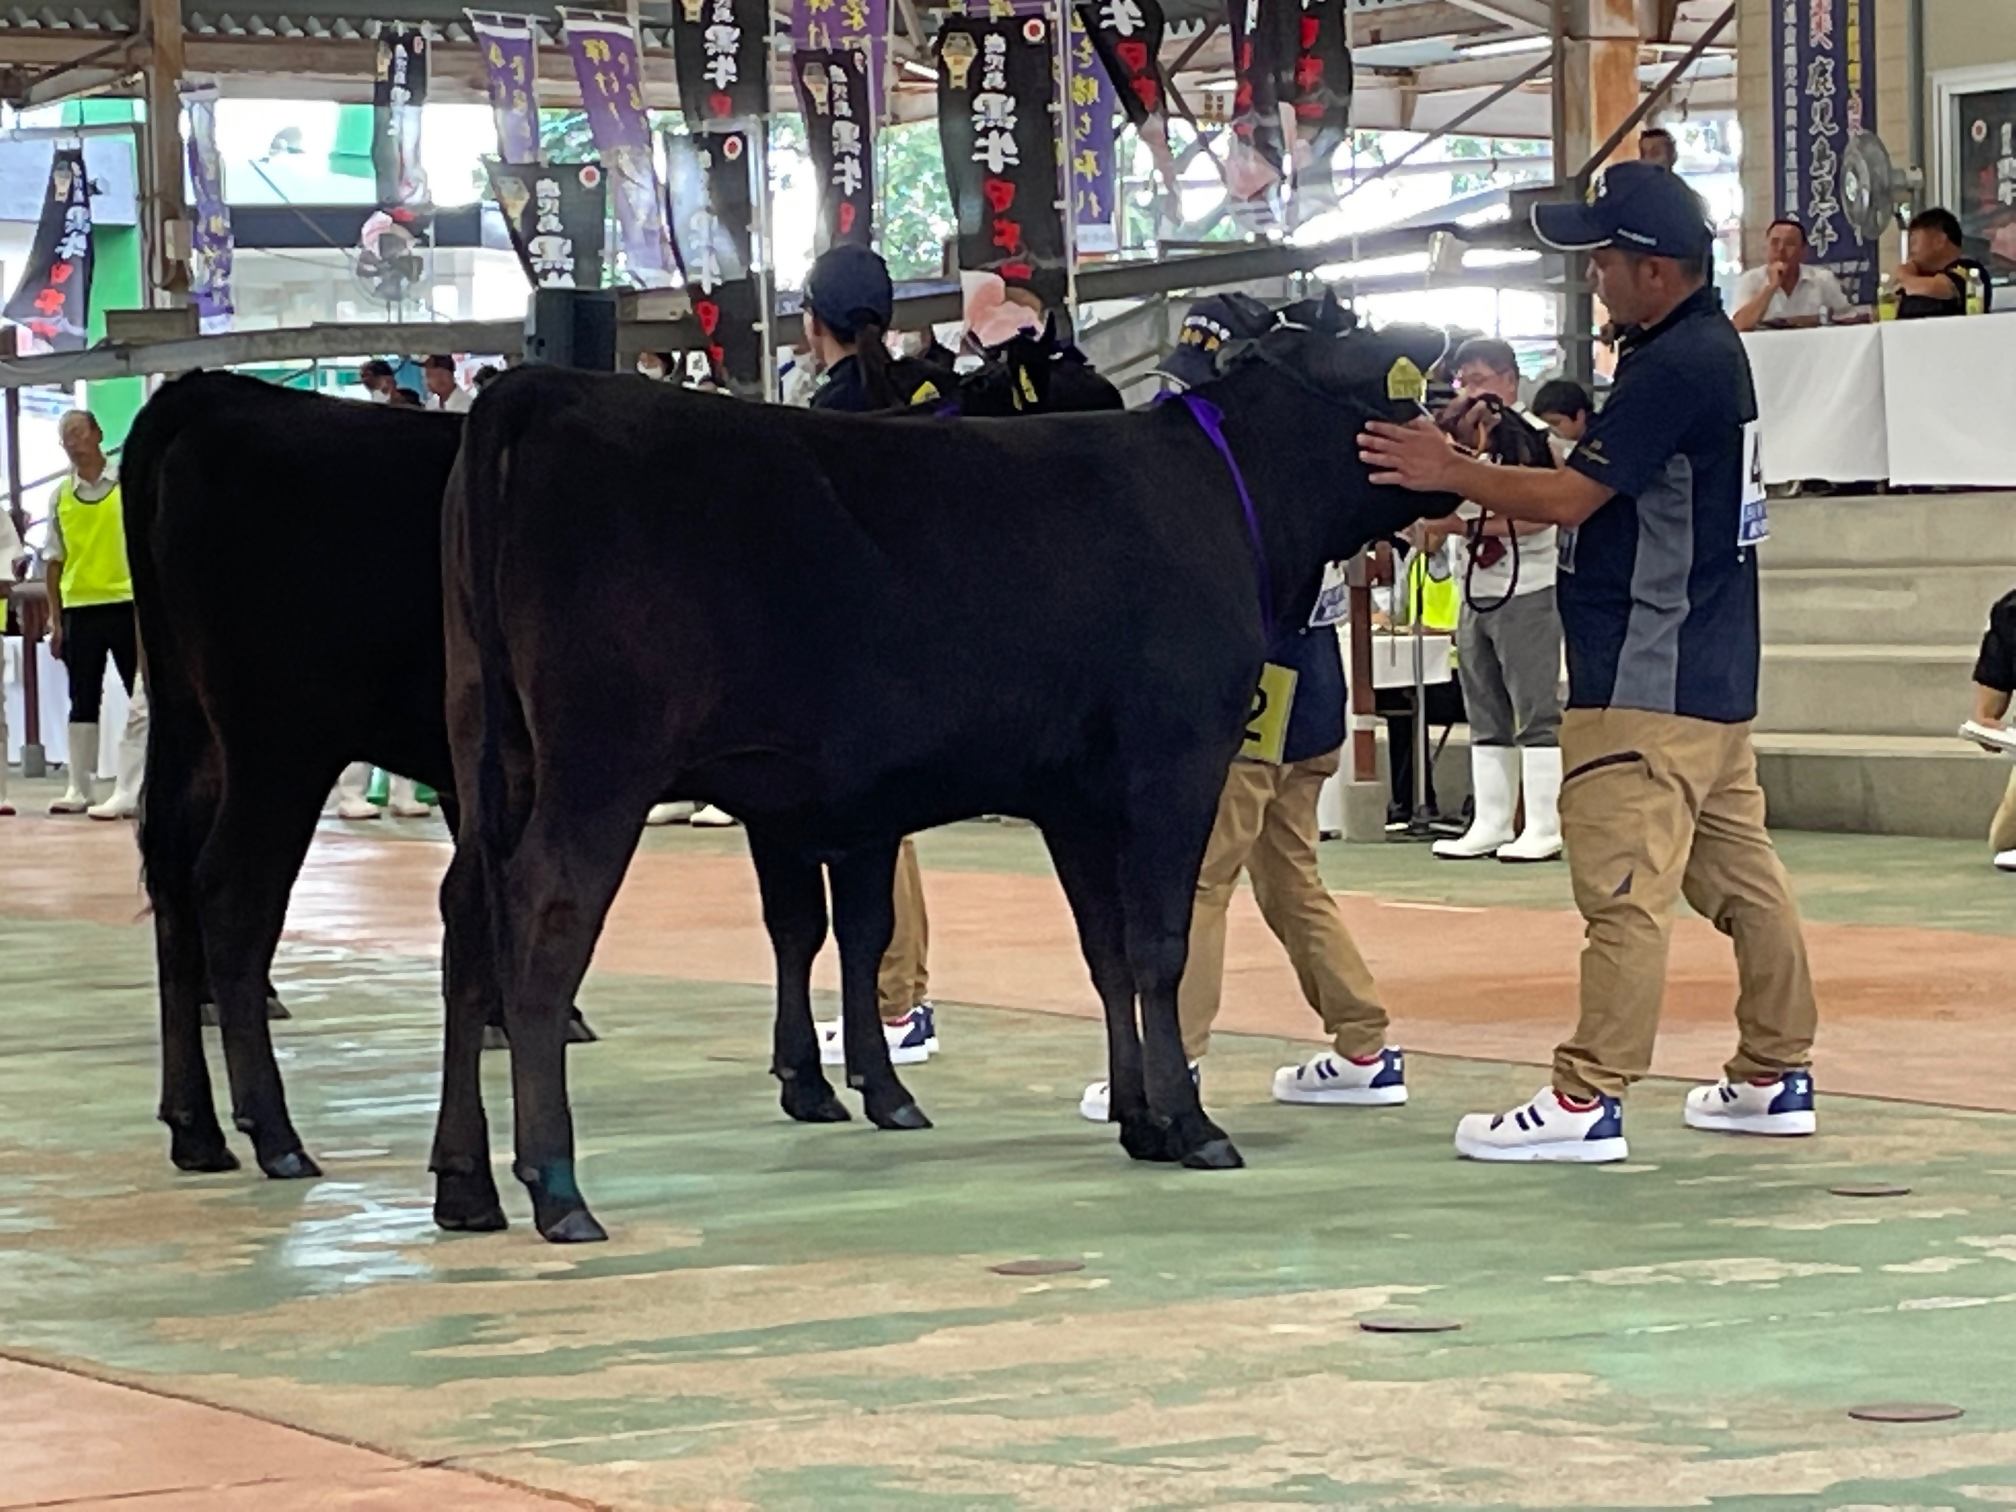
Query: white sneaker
2005, 861
1546, 1129
1337, 1080
669, 813
913, 1039
1097, 1103
358, 808
1783, 1107
710, 817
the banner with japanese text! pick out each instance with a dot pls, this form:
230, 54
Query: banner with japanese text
822, 25
995, 80
713, 210
1823, 70
53, 299
510, 50
398, 98
1090, 109
606, 64
555, 214
210, 244
1264, 35
832, 88
721, 53
1320, 102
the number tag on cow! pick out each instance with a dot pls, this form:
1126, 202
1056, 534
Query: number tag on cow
1753, 525
1333, 604
1267, 727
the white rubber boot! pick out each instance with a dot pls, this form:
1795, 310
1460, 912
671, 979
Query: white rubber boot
83, 767
1494, 789
1540, 771
125, 800
406, 802
350, 800
669, 813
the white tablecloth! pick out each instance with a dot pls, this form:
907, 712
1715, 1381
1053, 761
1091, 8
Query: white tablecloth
1393, 658
1915, 403
55, 699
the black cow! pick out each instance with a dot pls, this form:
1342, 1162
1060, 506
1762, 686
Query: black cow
285, 555
1060, 618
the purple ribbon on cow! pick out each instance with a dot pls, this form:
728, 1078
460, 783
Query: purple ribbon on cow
1211, 420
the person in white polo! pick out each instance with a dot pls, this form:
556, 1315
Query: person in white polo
1786, 288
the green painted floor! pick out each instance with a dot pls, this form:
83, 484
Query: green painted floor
802, 1320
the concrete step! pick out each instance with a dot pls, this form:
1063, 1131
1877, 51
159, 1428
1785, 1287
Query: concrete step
1866, 690
1960, 529
1880, 785
1877, 605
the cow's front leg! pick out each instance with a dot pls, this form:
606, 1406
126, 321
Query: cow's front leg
864, 919
794, 912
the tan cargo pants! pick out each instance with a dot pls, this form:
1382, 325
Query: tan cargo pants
1655, 807
1266, 827
903, 982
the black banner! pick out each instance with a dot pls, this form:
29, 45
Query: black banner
1985, 137
1128, 37
712, 207
719, 52
832, 87
397, 99
1264, 37
53, 299
556, 214
995, 82
1321, 100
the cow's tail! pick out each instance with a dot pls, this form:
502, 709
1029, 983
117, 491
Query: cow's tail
178, 757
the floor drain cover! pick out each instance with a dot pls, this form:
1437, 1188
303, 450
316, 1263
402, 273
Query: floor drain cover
1036, 1267
1408, 1323
1871, 1189
1907, 1412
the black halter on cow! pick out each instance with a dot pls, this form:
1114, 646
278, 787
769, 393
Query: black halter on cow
273, 660
1060, 618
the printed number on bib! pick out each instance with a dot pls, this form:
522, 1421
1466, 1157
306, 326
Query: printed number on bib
1267, 726
1753, 526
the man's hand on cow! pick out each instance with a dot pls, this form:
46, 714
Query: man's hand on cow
1418, 455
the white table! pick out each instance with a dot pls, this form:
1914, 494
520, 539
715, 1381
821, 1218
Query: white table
54, 689
1915, 403
1393, 657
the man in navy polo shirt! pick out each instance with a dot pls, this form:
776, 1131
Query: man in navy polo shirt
1661, 510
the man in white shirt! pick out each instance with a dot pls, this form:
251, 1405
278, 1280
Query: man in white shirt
443, 392
1786, 289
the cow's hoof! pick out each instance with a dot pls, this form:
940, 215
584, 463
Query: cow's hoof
905, 1116
1201, 1145
468, 1204
574, 1225
201, 1152
495, 1038
276, 1010
578, 1032
1215, 1155
294, 1165
813, 1102
1147, 1138
206, 1013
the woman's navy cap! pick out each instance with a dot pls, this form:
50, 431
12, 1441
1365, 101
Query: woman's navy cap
1634, 207
849, 284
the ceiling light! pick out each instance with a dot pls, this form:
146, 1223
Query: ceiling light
1509, 47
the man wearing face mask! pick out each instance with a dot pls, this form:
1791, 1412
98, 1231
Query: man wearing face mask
1660, 521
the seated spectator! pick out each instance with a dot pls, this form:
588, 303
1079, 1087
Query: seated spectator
1933, 281
443, 392
1564, 407
405, 398
1434, 593
1786, 288
378, 380
1994, 683
1656, 145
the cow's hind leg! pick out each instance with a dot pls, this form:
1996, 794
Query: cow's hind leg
794, 912
195, 1138
556, 890
465, 1190
864, 918
1088, 866
248, 866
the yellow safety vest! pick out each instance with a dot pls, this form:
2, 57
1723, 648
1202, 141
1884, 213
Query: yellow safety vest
1434, 600
94, 548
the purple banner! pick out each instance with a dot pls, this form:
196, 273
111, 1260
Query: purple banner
822, 25
1092, 106
510, 72
604, 50
210, 245
1823, 70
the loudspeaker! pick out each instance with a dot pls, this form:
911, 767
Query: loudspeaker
573, 328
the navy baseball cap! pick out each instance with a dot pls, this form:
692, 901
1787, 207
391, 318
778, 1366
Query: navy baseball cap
1210, 324
1635, 207
849, 284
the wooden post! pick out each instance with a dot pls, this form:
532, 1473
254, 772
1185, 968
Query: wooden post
166, 215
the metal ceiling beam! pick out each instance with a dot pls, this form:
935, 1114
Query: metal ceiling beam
1520, 15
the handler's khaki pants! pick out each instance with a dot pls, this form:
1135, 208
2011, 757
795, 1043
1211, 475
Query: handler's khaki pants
1267, 827
1655, 807
903, 982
